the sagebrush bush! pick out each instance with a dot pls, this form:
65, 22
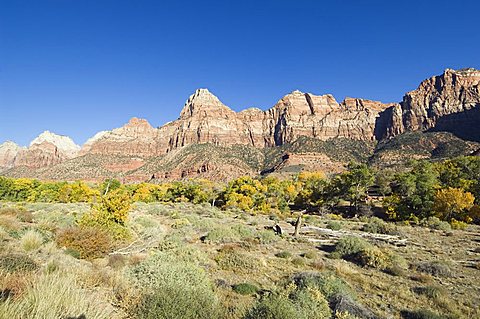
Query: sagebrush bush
12, 262
301, 304
31, 240
267, 237
435, 223
363, 253
273, 307
433, 292
434, 268
348, 246
376, 225
229, 234
326, 282
231, 258
373, 257
245, 289
89, 242
173, 289
334, 225
283, 254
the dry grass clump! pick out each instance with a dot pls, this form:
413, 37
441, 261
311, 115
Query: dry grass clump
31, 240
56, 296
88, 242
20, 213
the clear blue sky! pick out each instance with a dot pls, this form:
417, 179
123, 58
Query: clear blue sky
76, 67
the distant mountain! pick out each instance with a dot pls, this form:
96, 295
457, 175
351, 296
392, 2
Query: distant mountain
301, 131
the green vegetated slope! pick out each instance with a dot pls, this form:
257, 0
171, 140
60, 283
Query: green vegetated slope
403, 148
181, 260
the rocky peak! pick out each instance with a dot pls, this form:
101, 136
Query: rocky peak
8, 152
64, 143
202, 101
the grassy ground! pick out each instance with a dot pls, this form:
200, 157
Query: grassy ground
234, 262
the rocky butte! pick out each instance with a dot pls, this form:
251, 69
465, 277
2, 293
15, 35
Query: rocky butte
448, 102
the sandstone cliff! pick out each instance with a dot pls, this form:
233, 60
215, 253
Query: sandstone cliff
8, 152
45, 150
448, 102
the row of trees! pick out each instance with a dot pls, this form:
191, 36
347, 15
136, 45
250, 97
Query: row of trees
449, 190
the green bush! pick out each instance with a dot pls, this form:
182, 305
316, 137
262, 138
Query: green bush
373, 257
274, 307
325, 282
377, 226
230, 258
433, 292
434, 268
347, 247
172, 289
226, 234
88, 242
298, 261
267, 237
17, 262
334, 225
435, 223
283, 254
245, 289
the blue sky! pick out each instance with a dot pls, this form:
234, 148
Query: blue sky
77, 67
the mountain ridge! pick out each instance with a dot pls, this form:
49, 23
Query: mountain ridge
448, 102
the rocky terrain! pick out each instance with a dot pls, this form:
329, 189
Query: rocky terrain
446, 103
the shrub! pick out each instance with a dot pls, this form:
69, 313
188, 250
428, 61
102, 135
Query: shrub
435, 223
377, 226
298, 261
110, 214
309, 255
230, 258
432, 292
273, 307
347, 247
89, 242
345, 307
245, 289
17, 262
457, 224
420, 314
20, 213
434, 268
225, 234
373, 257
172, 289
283, 254
325, 282
267, 237
334, 225
31, 240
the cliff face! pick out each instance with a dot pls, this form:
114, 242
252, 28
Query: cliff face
205, 119
137, 138
8, 152
448, 102
45, 150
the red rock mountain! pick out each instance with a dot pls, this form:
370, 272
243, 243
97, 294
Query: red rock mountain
448, 102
